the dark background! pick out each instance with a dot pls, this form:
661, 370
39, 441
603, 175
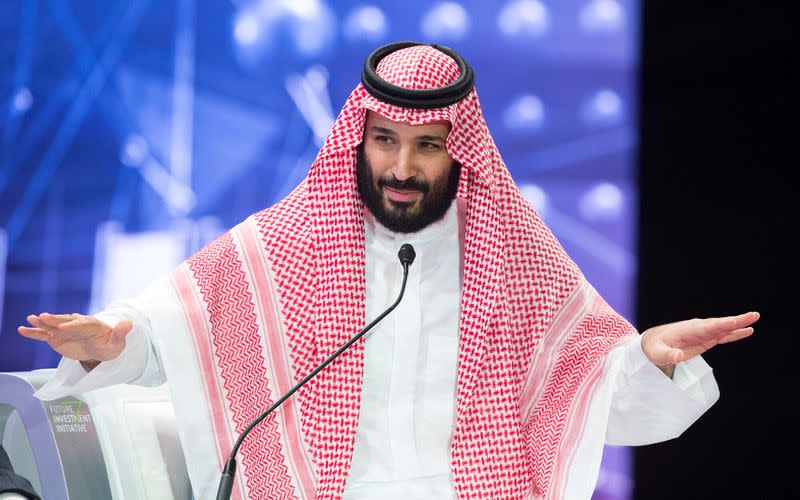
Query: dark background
717, 160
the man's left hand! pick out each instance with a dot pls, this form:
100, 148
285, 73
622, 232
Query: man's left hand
668, 345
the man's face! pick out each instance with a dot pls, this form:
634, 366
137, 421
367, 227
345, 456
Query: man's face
405, 175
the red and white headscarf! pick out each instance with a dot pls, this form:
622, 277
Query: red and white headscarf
529, 354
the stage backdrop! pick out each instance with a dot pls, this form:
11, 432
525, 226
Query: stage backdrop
133, 132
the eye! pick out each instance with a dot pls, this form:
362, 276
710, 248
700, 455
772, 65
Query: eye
430, 146
383, 139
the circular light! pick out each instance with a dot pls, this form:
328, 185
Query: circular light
22, 101
446, 21
267, 32
306, 9
317, 77
536, 196
525, 113
602, 202
247, 29
602, 16
604, 107
607, 103
524, 19
366, 23
134, 151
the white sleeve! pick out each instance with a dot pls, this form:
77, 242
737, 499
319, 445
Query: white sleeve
139, 363
649, 407
634, 403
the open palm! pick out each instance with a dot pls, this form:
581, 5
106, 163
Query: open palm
74, 336
672, 343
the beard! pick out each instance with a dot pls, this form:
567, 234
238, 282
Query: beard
399, 217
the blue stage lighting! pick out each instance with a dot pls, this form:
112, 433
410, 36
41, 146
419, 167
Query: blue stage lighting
536, 196
268, 30
604, 107
603, 201
247, 29
366, 23
445, 21
524, 19
525, 114
22, 101
602, 16
135, 151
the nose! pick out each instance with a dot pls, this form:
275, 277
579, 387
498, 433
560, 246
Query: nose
403, 168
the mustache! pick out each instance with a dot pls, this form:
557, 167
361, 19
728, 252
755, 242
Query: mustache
411, 184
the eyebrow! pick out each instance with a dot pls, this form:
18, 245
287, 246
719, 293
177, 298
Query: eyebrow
386, 131
431, 138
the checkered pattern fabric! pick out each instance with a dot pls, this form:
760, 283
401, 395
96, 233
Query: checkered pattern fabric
516, 279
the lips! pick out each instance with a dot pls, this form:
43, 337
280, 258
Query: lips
402, 195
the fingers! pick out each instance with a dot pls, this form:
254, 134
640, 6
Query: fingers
50, 322
34, 333
53, 320
36, 322
88, 324
750, 318
78, 337
737, 335
63, 326
722, 327
743, 320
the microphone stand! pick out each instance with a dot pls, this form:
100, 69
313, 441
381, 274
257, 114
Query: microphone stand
406, 256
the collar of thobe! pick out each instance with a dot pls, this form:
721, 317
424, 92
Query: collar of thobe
446, 227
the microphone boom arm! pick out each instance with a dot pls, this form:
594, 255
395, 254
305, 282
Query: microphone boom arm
406, 255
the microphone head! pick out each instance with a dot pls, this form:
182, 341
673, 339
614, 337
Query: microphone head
406, 254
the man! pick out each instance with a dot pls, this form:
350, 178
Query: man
12, 485
500, 374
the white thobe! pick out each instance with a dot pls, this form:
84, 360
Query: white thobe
409, 389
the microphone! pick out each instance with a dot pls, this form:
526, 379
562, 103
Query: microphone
406, 256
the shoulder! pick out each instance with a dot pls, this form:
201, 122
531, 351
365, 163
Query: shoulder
286, 222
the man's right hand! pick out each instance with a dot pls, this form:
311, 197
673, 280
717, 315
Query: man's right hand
74, 336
